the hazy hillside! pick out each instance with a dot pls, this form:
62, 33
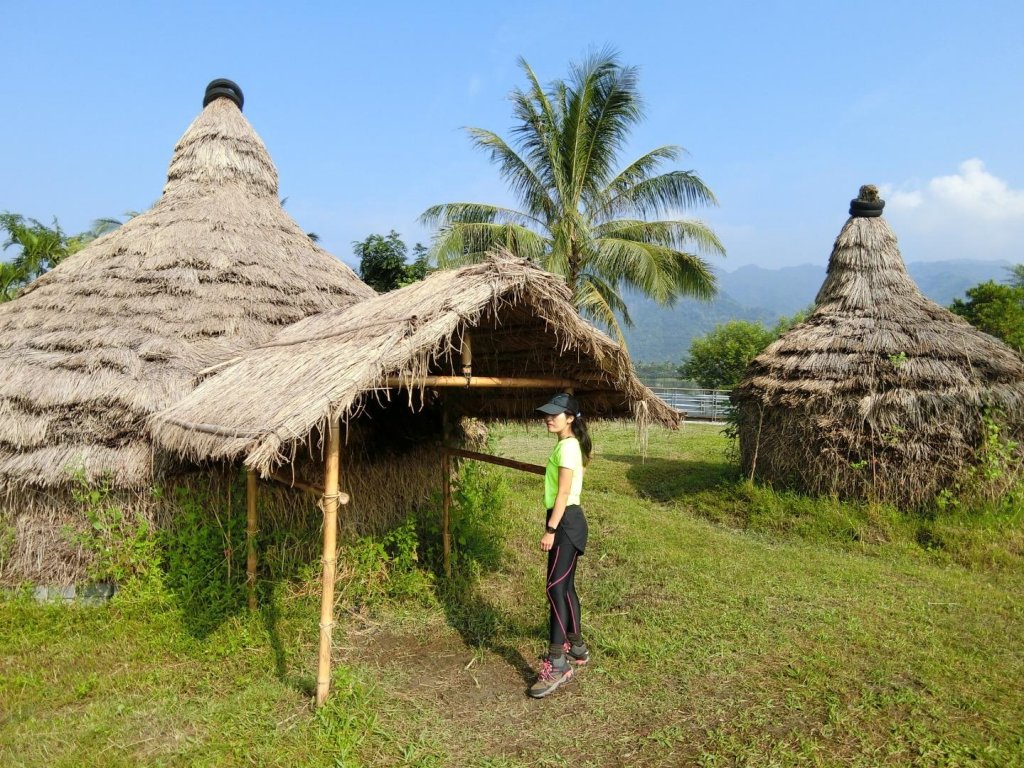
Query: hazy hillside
756, 293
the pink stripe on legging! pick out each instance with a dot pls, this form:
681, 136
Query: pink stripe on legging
553, 583
575, 623
554, 561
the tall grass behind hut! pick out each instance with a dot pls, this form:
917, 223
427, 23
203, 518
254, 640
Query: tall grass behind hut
121, 329
880, 393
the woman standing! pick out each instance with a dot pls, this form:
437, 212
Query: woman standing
564, 539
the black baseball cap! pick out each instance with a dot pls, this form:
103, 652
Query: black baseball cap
560, 403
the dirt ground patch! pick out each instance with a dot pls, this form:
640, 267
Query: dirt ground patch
437, 662
481, 694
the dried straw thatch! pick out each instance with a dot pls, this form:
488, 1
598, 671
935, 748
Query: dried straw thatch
276, 396
881, 392
120, 330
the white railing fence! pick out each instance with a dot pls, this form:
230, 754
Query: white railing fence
700, 404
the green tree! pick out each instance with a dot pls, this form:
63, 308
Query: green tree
1017, 275
420, 266
719, 359
41, 248
382, 262
578, 216
996, 309
11, 281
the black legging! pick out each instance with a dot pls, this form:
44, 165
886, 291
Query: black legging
561, 590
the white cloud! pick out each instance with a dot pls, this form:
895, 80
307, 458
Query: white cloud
973, 192
968, 214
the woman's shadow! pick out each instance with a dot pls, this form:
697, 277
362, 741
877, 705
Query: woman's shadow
480, 624
672, 479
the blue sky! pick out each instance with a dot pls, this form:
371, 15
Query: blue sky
785, 108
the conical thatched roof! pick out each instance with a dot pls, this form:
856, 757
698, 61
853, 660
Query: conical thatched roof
332, 365
881, 392
119, 330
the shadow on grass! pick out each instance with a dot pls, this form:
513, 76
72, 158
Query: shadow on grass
271, 616
671, 479
480, 623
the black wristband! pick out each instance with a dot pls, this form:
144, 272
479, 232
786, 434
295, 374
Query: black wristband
549, 529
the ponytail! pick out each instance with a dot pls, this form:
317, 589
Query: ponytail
579, 431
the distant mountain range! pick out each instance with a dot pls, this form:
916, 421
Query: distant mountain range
764, 295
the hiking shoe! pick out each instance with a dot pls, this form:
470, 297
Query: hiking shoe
577, 653
549, 677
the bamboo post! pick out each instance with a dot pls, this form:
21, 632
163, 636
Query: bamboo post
467, 356
446, 494
332, 472
251, 490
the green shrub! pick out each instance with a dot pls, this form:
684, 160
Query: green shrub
373, 569
204, 555
122, 544
476, 521
995, 484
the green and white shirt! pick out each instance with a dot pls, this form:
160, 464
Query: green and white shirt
567, 454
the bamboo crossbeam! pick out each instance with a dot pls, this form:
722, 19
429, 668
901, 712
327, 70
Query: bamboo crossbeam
535, 469
332, 477
210, 429
314, 490
481, 382
251, 489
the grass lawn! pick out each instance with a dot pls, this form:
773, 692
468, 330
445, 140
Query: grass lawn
728, 625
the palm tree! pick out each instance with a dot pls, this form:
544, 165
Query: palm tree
578, 217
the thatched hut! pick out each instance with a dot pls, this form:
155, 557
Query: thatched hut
881, 393
392, 374
120, 330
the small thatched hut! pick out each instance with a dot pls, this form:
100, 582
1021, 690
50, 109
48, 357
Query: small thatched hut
120, 330
881, 392
391, 374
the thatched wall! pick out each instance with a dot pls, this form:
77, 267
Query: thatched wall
881, 393
391, 466
40, 530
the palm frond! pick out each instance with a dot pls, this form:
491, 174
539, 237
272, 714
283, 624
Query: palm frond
104, 225
538, 121
475, 213
664, 194
461, 243
524, 181
677, 233
598, 300
662, 273
612, 106
644, 167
